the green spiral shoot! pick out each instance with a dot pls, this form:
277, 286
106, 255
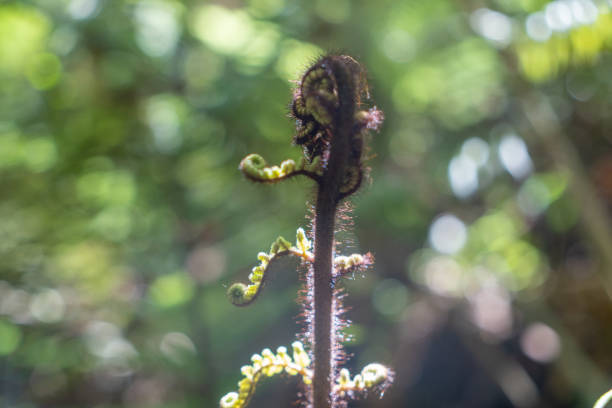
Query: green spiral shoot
268, 364
347, 264
373, 377
241, 295
603, 401
255, 168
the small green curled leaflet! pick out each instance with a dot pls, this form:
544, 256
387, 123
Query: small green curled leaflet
603, 401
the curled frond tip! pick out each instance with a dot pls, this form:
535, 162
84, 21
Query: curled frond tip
374, 377
347, 264
241, 295
255, 168
268, 364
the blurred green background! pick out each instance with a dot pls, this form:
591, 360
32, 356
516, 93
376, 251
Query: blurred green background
123, 217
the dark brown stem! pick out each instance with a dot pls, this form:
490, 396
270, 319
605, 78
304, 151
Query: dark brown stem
323, 295
325, 214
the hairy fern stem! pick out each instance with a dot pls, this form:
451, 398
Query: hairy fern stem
325, 215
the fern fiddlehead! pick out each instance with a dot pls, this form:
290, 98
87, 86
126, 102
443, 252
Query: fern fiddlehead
331, 128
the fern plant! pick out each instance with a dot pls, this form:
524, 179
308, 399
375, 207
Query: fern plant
331, 127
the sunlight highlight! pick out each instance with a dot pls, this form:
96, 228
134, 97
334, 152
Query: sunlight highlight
514, 156
447, 234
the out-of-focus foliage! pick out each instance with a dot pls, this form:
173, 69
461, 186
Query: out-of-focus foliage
123, 217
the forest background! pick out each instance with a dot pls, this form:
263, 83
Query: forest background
123, 218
